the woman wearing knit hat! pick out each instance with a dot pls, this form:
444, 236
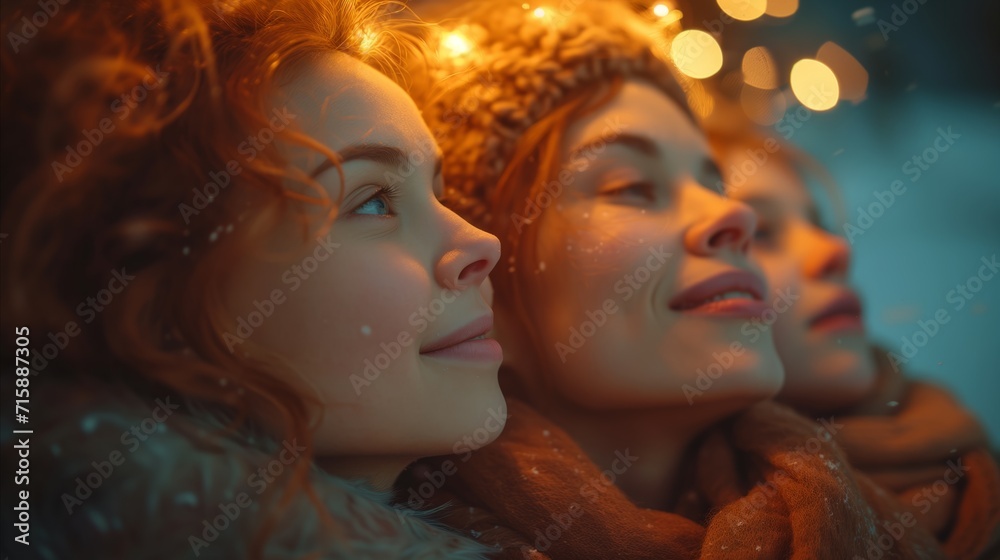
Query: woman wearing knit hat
912, 437
621, 298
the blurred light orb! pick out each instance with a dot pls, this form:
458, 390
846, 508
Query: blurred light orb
456, 44
759, 68
661, 10
864, 16
782, 8
815, 85
696, 53
851, 75
744, 10
539, 13
367, 39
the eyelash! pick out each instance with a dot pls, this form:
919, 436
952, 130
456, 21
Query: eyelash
388, 193
643, 188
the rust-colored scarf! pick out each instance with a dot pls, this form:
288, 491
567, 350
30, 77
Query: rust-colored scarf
534, 494
917, 441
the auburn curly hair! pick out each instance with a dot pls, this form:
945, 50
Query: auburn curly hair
128, 127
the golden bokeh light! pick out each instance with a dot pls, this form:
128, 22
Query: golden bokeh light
782, 8
815, 85
696, 53
455, 44
851, 75
539, 13
759, 69
367, 39
661, 10
744, 10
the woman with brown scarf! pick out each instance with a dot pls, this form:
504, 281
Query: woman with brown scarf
639, 425
911, 437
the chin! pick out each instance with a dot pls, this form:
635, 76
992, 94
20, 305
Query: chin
832, 379
757, 375
474, 419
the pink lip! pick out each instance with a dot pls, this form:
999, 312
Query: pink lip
842, 313
460, 344
694, 299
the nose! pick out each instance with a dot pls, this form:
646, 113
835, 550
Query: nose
724, 224
828, 255
469, 256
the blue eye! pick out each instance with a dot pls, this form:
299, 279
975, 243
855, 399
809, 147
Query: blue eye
373, 206
378, 204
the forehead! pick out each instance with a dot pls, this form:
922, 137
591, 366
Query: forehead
340, 101
641, 109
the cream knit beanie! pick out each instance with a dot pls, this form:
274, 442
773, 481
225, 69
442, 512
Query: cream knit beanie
512, 66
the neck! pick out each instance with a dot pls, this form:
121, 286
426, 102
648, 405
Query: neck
652, 440
642, 448
379, 472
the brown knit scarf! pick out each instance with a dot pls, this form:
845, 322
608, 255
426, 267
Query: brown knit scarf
917, 441
534, 494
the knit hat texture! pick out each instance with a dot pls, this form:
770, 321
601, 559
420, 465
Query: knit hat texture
517, 69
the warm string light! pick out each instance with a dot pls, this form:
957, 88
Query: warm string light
744, 10
696, 53
367, 39
819, 84
782, 8
455, 44
814, 84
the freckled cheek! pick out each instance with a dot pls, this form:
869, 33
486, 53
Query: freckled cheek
587, 257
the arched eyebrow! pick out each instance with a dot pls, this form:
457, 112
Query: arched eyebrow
389, 156
641, 144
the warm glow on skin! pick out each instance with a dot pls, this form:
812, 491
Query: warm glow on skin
383, 259
825, 368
